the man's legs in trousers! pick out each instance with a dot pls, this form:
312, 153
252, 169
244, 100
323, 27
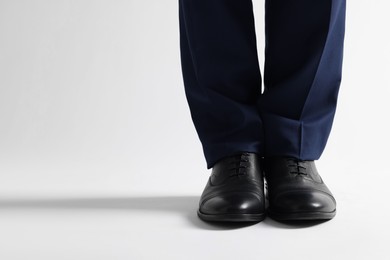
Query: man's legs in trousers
288, 124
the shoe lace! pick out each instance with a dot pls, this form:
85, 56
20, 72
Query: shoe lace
296, 166
239, 165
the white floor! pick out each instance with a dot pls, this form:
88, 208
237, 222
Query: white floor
67, 221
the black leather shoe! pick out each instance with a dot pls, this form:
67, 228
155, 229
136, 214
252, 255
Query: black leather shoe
234, 191
296, 190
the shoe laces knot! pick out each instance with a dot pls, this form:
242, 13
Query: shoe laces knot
239, 165
297, 166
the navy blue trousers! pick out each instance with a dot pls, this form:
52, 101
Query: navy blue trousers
294, 113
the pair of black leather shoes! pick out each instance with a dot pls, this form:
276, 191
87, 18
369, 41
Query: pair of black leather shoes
235, 190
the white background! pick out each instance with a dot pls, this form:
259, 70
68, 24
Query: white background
99, 158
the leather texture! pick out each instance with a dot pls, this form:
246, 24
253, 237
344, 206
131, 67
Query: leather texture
296, 191
235, 190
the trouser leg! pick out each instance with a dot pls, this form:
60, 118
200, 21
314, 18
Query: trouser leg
304, 47
221, 75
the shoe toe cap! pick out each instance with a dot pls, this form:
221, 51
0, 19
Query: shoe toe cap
304, 201
233, 203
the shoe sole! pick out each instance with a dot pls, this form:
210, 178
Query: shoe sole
301, 215
232, 217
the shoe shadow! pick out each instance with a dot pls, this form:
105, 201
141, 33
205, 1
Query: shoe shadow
293, 224
185, 206
182, 205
